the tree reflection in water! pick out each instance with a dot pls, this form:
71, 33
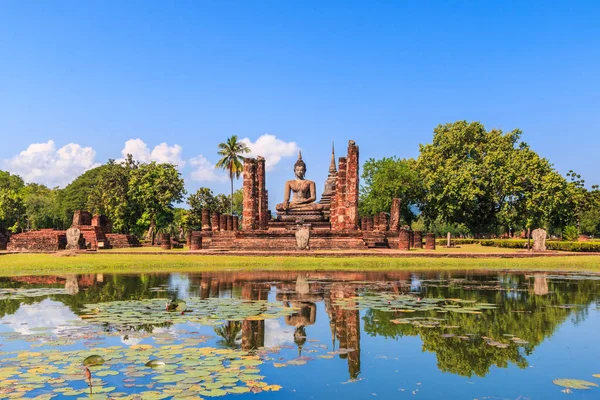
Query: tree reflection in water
529, 307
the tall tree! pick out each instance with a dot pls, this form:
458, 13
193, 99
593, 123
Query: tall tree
110, 196
231, 159
202, 199
155, 187
12, 209
386, 179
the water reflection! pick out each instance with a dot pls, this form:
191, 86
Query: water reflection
529, 307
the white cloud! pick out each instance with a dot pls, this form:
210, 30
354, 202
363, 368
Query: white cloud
271, 148
163, 153
204, 171
50, 314
42, 163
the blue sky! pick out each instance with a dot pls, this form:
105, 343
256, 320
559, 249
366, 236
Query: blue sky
89, 76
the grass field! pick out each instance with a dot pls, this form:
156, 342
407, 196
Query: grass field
49, 264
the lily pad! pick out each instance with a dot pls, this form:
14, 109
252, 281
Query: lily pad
574, 384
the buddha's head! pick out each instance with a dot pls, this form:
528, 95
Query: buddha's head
300, 167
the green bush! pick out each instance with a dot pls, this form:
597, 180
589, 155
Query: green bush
574, 246
505, 243
570, 233
443, 241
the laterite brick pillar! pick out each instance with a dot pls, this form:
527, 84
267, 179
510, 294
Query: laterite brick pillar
236, 223
205, 219
395, 215
418, 239
215, 218
196, 242
223, 222
404, 239
430, 241
230, 222
250, 202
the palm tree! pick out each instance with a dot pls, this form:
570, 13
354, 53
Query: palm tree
232, 160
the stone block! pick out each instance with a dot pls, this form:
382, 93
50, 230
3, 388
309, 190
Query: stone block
430, 241
539, 239
196, 241
418, 239
404, 239
395, 215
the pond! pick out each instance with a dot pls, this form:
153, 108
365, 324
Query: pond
354, 335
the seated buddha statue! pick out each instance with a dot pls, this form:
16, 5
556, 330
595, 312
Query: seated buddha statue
303, 192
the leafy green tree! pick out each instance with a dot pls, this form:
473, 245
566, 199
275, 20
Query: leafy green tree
155, 187
581, 200
111, 195
222, 204
238, 201
12, 208
203, 198
231, 159
75, 195
42, 208
386, 179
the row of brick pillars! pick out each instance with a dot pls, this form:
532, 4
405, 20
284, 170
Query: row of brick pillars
414, 239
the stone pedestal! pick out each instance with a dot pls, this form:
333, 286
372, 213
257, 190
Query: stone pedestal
430, 241
196, 241
205, 219
418, 239
404, 239
539, 239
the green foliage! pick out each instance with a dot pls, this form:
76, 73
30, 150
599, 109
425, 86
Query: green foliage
12, 208
231, 160
238, 202
386, 179
487, 179
570, 233
75, 195
111, 197
42, 207
203, 198
155, 187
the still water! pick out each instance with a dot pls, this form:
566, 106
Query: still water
351, 335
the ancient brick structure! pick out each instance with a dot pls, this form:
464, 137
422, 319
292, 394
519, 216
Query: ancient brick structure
250, 201
344, 216
165, 241
236, 223
418, 239
430, 241
395, 215
215, 221
102, 222
205, 219
196, 241
81, 217
412, 239
370, 224
122, 241
404, 239
375, 225
383, 222
262, 205
223, 222
42, 240
230, 222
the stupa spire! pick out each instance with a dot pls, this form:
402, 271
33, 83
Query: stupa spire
332, 169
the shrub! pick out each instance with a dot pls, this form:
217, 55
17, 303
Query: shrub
570, 233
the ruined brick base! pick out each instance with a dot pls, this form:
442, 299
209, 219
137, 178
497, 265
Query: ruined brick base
42, 240
120, 241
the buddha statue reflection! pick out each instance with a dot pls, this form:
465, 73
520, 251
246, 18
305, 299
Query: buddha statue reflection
303, 191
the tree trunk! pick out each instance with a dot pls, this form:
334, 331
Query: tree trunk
232, 195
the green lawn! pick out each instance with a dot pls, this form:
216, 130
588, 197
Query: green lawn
49, 264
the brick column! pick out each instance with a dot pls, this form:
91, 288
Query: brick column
165, 241
223, 222
412, 239
196, 242
404, 239
205, 219
370, 223
352, 189
363, 223
395, 215
338, 218
418, 239
236, 223
375, 222
249, 213
229, 222
261, 195
215, 218
430, 241
383, 222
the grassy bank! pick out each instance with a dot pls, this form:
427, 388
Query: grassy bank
49, 264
